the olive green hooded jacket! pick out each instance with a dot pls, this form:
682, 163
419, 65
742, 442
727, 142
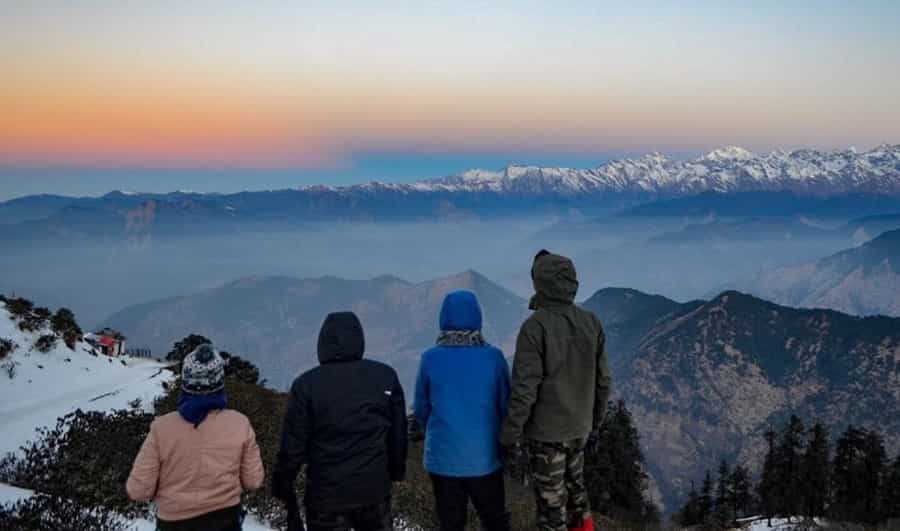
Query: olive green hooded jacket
560, 375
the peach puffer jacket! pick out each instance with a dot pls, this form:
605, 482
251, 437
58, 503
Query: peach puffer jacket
192, 471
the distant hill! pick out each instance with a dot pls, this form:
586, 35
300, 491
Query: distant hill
32, 207
862, 281
867, 228
628, 315
751, 230
274, 321
699, 259
722, 205
705, 379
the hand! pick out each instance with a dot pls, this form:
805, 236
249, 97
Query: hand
511, 455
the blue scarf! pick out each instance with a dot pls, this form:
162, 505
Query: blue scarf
194, 408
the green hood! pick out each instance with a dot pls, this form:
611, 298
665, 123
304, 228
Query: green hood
555, 281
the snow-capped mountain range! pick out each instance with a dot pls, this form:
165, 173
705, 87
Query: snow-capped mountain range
728, 169
512, 191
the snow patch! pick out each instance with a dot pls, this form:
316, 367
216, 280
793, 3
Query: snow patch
50, 385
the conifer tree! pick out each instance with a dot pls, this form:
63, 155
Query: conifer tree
788, 459
816, 472
689, 515
742, 497
846, 476
705, 501
615, 474
768, 482
723, 503
891, 498
874, 468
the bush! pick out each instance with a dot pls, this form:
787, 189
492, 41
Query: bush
7, 346
64, 324
85, 458
240, 369
34, 320
45, 343
185, 347
19, 307
42, 512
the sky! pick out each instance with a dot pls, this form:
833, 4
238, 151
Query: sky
230, 95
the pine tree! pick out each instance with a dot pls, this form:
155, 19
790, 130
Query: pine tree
705, 501
891, 498
615, 474
768, 482
788, 459
724, 497
816, 472
874, 468
846, 476
742, 497
688, 515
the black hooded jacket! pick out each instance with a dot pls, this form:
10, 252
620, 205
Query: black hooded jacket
345, 420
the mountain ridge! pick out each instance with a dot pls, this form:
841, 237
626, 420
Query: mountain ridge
863, 280
724, 169
273, 320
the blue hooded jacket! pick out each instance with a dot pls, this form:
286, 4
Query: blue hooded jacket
461, 397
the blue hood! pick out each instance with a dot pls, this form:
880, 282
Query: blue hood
460, 311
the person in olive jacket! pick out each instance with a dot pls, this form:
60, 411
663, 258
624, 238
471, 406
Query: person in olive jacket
560, 387
346, 421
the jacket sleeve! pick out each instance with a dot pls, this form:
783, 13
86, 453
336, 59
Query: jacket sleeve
252, 472
144, 477
295, 435
604, 380
527, 375
422, 399
397, 439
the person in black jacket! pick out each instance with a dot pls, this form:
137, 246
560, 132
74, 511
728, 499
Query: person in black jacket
346, 421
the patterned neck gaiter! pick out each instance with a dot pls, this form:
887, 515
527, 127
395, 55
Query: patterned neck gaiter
460, 338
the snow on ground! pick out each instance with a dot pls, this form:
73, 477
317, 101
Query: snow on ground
49, 385
778, 524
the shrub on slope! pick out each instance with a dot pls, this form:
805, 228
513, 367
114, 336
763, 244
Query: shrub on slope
42, 512
85, 458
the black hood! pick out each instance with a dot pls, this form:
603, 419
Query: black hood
341, 338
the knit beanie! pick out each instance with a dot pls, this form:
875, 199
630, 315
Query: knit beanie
203, 371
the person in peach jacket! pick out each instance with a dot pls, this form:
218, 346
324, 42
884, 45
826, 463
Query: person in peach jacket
196, 462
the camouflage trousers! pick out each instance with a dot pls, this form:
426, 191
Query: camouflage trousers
557, 469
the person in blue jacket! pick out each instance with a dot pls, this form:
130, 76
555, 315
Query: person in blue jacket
462, 390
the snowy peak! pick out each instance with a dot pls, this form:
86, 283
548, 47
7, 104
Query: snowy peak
729, 153
727, 169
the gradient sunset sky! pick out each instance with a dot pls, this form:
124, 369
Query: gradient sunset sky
222, 96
